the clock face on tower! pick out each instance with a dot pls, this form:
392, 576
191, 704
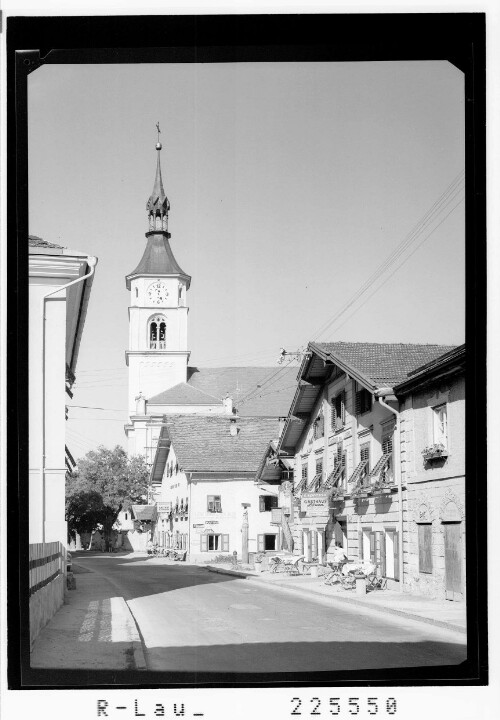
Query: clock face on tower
157, 293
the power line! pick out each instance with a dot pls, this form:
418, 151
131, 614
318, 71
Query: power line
399, 266
90, 407
430, 216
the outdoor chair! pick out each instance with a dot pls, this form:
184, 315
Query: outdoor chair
292, 567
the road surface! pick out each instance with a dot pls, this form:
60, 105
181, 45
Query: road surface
193, 620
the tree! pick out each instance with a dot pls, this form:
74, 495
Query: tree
105, 482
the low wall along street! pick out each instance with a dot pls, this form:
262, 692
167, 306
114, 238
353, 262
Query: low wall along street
47, 580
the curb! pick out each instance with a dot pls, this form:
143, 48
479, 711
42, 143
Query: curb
349, 601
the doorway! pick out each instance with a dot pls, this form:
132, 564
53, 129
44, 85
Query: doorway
453, 560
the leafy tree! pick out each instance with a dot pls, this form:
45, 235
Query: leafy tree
105, 482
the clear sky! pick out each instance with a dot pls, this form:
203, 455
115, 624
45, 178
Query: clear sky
289, 184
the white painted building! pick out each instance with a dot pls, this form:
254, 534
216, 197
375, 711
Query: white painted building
207, 468
59, 287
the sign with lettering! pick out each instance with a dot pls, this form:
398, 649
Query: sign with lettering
164, 507
211, 522
315, 504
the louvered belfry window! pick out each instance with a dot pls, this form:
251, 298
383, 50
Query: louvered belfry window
338, 411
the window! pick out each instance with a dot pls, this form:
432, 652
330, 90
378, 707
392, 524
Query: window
425, 547
210, 541
267, 542
340, 461
157, 332
304, 472
319, 467
363, 401
364, 457
440, 425
338, 411
214, 503
319, 427
267, 503
387, 474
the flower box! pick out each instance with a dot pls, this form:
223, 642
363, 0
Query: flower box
434, 452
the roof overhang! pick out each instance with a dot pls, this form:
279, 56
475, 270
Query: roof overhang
330, 359
160, 458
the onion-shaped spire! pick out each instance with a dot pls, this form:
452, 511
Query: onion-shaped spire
158, 204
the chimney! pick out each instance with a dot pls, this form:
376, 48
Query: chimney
228, 404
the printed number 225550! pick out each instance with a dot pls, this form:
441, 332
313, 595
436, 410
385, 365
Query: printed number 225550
352, 706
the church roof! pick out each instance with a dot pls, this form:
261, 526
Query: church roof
184, 394
157, 259
158, 200
204, 443
255, 391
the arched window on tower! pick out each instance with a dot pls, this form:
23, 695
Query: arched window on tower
157, 333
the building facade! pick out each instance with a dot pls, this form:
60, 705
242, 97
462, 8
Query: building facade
60, 281
209, 502
344, 432
433, 470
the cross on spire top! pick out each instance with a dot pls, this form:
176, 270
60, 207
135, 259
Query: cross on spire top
158, 144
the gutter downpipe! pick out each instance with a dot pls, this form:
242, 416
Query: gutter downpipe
91, 262
189, 515
397, 468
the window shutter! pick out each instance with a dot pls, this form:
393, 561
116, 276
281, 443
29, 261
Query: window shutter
373, 548
260, 543
360, 545
321, 425
357, 407
203, 543
382, 553
334, 413
425, 548
225, 543
342, 408
396, 556
262, 504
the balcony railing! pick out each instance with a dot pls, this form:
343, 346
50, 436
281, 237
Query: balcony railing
157, 345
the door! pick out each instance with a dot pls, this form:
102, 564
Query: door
453, 560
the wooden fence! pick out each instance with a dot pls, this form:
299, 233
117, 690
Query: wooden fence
47, 579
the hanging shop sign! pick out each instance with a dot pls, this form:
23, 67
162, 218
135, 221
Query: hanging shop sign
314, 504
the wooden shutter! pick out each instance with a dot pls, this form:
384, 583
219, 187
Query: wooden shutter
381, 544
210, 503
360, 545
260, 543
357, 405
203, 543
334, 413
225, 543
373, 548
262, 504
396, 555
425, 548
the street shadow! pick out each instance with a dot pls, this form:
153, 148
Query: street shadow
272, 664
145, 577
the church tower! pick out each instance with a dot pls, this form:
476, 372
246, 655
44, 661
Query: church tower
157, 354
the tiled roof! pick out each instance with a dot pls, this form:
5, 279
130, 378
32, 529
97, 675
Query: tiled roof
384, 363
272, 399
35, 241
184, 394
204, 443
144, 512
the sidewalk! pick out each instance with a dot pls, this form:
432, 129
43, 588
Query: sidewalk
94, 626
443, 613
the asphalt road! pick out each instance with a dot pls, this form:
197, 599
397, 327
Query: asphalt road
193, 620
